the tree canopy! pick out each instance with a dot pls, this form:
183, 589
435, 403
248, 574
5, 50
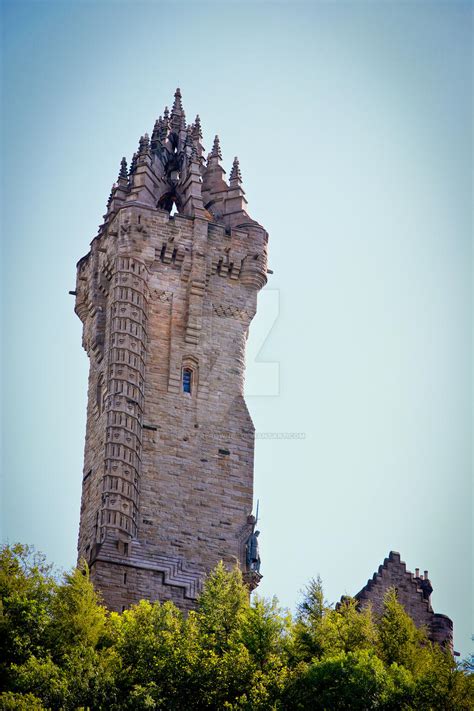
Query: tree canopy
61, 649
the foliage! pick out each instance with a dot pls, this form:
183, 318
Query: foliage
61, 649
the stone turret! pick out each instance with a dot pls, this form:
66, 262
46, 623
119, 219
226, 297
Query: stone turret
166, 302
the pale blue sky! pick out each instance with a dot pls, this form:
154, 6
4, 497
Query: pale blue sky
352, 122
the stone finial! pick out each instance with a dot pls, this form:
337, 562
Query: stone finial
190, 135
216, 149
156, 128
177, 104
123, 169
133, 165
177, 114
235, 174
109, 201
197, 127
166, 115
163, 126
194, 154
156, 134
144, 144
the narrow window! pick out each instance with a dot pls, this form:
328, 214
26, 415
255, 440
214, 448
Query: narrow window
187, 380
100, 393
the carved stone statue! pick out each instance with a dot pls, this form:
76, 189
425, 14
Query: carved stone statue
253, 553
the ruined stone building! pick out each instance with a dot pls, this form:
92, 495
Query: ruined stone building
413, 592
166, 295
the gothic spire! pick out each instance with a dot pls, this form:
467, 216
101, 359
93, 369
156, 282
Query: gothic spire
235, 174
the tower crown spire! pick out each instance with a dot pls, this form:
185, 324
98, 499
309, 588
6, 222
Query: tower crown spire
177, 113
177, 104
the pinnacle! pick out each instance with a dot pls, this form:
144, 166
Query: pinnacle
197, 127
123, 168
235, 174
144, 144
177, 105
216, 149
133, 164
189, 135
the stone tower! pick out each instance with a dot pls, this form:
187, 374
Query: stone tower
166, 295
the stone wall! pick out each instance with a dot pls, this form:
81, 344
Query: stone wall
413, 592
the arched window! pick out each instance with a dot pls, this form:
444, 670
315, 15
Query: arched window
187, 380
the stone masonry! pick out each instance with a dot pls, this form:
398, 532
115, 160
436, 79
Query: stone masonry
166, 296
413, 592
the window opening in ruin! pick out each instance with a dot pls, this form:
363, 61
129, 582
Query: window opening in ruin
187, 380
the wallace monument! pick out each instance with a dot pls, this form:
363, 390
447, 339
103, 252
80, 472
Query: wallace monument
166, 296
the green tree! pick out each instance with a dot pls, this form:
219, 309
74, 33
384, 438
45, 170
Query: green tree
78, 616
27, 588
442, 684
322, 631
10, 701
61, 650
400, 641
313, 605
222, 607
355, 681
158, 653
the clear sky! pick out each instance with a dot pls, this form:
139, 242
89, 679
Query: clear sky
352, 122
